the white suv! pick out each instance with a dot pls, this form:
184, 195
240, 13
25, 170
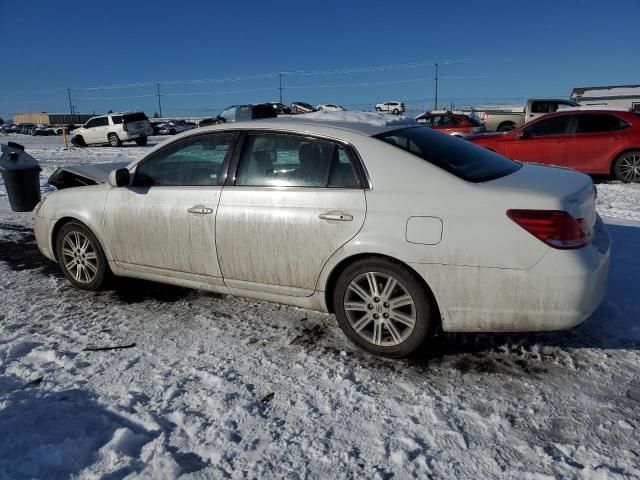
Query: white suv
113, 129
391, 107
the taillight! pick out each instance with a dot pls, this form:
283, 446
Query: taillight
556, 228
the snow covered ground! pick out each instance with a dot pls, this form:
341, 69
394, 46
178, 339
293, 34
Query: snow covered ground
215, 386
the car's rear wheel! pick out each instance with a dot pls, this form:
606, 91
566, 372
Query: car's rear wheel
80, 257
142, 141
506, 127
382, 307
396, 111
626, 167
114, 141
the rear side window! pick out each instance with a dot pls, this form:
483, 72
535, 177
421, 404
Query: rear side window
550, 126
597, 123
116, 119
134, 117
101, 122
459, 157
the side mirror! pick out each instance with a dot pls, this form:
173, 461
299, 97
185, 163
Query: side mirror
119, 178
221, 119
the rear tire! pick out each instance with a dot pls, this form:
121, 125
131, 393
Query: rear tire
114, 141
142, 141
506, 127
383, 308
626, 167
81, 257
396, 111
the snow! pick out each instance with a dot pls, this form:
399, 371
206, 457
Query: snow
220, 386
369, 118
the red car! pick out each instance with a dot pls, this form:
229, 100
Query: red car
602, 142
458, 124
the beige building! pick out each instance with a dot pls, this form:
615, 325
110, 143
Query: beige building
51, 118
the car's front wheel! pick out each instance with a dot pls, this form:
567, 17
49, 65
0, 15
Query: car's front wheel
396, 111
383, 308
80, 257
142, 141
114, 141
626, 167
78, 141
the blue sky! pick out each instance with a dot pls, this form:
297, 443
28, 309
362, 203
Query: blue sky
490, 52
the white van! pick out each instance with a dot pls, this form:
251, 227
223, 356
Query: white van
113, 129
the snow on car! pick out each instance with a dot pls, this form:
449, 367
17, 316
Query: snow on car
365, 209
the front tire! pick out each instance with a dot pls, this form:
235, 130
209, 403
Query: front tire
81, 257
626, 167
142, 141
114, 141
78, 141
383, 308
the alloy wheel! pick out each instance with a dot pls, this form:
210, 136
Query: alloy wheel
79, 257
629, 167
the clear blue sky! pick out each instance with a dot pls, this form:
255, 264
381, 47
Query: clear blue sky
505, 51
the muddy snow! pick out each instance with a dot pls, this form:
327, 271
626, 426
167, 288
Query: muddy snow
200, 385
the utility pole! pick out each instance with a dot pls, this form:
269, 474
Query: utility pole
70, 106
159, 102
435, 103
280, 85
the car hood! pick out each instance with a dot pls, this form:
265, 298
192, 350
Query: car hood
80, 175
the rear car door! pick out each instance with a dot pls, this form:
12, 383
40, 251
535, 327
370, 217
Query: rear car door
598, 137
293, 201
543, 141
164, 223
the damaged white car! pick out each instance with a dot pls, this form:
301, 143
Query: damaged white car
397, 229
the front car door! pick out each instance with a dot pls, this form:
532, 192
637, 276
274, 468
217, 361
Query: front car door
164, 223
293, 201
543, 141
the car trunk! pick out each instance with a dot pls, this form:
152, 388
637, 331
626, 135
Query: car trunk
135, 124
574, 188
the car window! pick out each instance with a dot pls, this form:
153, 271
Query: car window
192, 161
116, 119
229, 114
91, 123
594, 123
550, 126
542, 107
135, 117
101, 122
288, 160
459, 157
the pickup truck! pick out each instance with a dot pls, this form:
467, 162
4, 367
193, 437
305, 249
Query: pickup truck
505, 121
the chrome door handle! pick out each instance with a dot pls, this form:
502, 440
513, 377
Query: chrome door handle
200, 209
338, 216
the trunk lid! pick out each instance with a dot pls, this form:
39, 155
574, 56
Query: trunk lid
136, 123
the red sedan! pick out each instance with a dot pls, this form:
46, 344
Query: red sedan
457, 124
602, 142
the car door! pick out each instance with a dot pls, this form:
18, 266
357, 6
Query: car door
89, 132
164, 222
542, 141
293, 201
101, 130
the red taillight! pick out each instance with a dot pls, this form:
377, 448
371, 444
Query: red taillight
556, 228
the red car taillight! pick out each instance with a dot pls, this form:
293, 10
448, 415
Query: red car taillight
556, 228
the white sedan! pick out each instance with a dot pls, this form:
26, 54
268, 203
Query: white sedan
397, 229
330, 107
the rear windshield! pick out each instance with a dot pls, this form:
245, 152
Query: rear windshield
457, 156
134, 117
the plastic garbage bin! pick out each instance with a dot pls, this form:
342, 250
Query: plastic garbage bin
21, 175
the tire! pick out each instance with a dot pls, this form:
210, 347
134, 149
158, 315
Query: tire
78, 141
319, 109
77, 247
114, 141
142, 141
172, 132
378, 109
506, 127
396, 111
626, 167
369, 318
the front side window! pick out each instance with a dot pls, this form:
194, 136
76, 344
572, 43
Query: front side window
459, 157
195, 161
550, 126
101, 122
91, 123
272, 159
599, 123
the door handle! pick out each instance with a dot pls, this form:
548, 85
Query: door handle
337, 216
200, 210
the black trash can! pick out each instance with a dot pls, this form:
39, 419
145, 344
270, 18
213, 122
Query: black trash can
21, 176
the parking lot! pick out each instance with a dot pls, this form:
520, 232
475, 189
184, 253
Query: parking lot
151, 379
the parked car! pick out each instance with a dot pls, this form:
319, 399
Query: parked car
241, 113
391, 107
174, 126
9, 128
42, 130
458, 124
397, 229
25, 128
302, 107
113, 129
280, 108
602, 142
505, 121
330, 107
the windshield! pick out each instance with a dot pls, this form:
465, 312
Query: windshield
457, 156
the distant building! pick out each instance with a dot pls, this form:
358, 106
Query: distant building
52, 118
619, 96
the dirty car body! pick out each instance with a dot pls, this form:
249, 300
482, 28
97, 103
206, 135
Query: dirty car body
403, 224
